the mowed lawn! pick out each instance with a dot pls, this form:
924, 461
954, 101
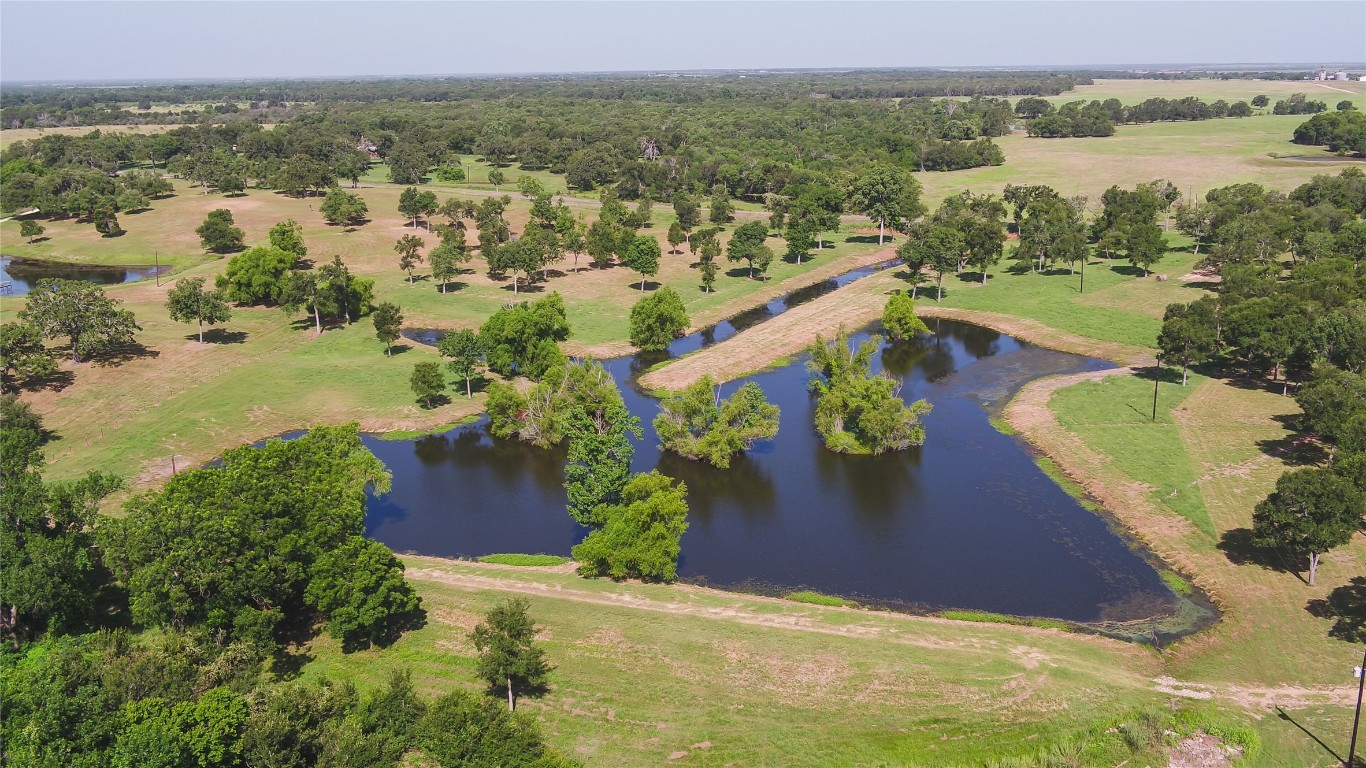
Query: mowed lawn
649, 673
266, 373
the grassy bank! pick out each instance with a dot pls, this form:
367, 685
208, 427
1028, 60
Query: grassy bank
644, 672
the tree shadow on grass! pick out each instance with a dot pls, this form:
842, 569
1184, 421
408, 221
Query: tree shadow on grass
55, 381
435, 402
650, 285
523, 287
398, 349
386, 634
125, 353
1238, 547
1295, 450
220, 336
869, 239
1128, 270
451, 286
1346, 605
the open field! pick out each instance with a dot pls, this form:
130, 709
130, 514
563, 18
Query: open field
645, 672
10, 135
1196, 156
1134, 91
196, 400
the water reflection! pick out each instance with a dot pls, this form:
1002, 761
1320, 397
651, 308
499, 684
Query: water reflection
967, 520
22, 274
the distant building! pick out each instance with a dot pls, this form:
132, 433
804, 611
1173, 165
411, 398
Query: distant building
1340, 76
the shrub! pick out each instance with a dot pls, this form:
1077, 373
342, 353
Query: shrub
658, 319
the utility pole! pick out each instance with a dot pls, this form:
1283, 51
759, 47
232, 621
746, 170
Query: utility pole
157, 255
1157, 377
1356, 720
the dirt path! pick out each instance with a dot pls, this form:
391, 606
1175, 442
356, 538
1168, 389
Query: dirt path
880, 625
854, 306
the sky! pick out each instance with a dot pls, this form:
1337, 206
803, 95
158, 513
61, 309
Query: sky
222, 39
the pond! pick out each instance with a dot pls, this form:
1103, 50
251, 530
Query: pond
967, 521
22, 274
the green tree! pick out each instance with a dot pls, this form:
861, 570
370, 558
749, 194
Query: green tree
530, 187
508, 655
107, 223
462, 729
288, 236
465, 350
30, 229
188, 302
857, 411
688, 211
800, 240
409, 250
22, 355
344, 208
1332, 400
721, 210
888, 196
1312, 511
934, 246
232, 547
899, 318
746, 244
599, 461
445, 260
697, 424
517, 257
640, 536
217, 233
302, 291
92, 322
52, 570
496, 178
521, 340
1190, 333
1051, 231
360, 587
571, 232
1195, 220
415, 205
427, 382
1260, 100
658, 319
257, 276
675, 237
817, 209
388, 320
643, 256
1144, 245
707, 266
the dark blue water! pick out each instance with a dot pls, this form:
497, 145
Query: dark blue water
23, 274
966, 521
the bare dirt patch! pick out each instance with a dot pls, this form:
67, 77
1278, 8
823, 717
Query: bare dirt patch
1203, 751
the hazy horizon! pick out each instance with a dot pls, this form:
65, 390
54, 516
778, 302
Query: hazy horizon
235, 40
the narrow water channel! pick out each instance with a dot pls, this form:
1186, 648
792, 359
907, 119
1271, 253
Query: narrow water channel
967, 521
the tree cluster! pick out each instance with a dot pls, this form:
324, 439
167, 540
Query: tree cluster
697, 424
1303, 322
858, 411
267, 541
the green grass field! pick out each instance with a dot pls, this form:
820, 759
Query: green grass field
645, 672
1108, 416
1107, 310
